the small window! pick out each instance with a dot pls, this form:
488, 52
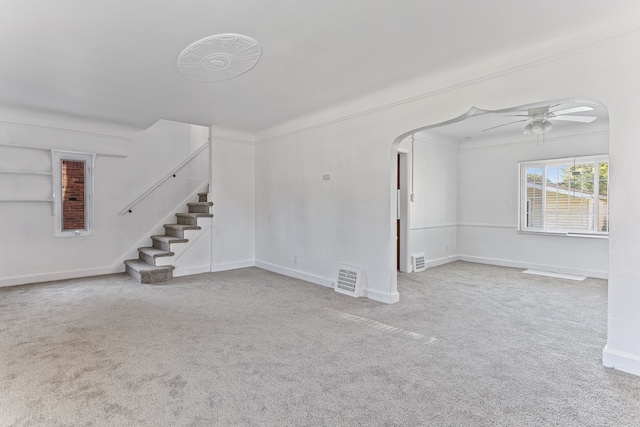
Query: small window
565, 196
73, 199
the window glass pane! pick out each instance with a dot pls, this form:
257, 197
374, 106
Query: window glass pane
533, 211
569, 195
73, 195
603, 197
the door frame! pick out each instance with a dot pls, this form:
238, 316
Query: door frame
403, 207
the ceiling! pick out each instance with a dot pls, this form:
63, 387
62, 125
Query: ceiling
116, 60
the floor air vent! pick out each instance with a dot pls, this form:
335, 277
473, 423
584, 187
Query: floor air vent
349, 280
418, 262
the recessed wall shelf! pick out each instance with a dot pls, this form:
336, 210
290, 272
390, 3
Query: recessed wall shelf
26, 173
27, 200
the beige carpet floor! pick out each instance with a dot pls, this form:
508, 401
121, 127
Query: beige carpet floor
467, 345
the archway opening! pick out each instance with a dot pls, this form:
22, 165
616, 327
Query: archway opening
473, 192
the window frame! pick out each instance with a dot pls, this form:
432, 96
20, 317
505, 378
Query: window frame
89, 163
523, 199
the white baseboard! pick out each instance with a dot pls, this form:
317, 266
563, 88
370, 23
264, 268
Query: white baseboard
233, 265
621, 361
295, 274
186, 271
382, 297
441, 261
533, 266
59, 275
373, 295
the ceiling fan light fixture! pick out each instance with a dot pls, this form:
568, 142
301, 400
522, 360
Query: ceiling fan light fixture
537, 127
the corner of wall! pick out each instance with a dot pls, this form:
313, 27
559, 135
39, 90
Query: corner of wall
620, 360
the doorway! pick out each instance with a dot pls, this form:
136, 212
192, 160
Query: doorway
403, 214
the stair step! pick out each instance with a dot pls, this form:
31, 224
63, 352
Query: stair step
177, 230
200, 207
149, 254
164, 242
191, 218
145, 273
144, 269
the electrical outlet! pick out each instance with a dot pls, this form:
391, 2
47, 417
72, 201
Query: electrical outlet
295, 259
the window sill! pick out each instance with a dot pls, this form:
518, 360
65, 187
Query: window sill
565, 234
74, 235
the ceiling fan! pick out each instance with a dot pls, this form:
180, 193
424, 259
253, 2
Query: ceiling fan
540, 118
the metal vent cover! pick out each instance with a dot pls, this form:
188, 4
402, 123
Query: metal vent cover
418, 262
349, 280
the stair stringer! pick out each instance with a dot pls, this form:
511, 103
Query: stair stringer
194, 256
158, 228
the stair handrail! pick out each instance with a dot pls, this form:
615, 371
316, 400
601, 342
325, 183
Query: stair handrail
129, 208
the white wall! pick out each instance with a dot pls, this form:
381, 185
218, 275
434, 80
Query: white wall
306, 225
488, 207
352, 217
434, 211
129, 162
233, 195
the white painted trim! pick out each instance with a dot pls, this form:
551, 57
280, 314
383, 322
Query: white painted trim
382, 296
406, 189
297, 274
484, 225
542, 267
435, 226
187, 271
621, 360
233, 265
26, 173
441, 261
89, 160
59, 275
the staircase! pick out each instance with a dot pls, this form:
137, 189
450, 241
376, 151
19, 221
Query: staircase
147, 268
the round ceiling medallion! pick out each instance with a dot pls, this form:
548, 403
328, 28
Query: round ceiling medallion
219, 57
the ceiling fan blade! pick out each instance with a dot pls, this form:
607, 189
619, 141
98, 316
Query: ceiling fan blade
582, 119
499, 126
578, 109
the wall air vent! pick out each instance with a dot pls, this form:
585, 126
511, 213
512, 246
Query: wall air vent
418, 262
349, 281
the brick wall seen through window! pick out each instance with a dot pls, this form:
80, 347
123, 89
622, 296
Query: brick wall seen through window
73, 195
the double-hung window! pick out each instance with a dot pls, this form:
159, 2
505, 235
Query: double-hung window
565, 196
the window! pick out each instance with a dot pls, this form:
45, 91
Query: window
565, 196
73, 188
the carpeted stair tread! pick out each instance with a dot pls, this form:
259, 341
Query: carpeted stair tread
144, 269
141, 266
206, 204
194, 215
182, 226
154, 252
169, 239
146, 273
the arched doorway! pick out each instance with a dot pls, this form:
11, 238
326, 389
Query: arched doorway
466, 196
